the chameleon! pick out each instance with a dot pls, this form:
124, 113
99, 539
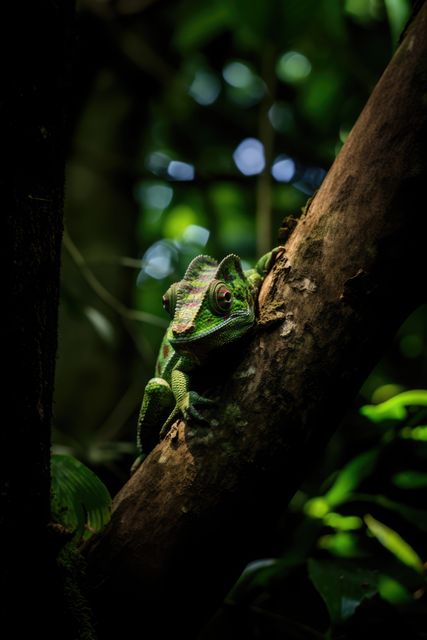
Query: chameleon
214, 304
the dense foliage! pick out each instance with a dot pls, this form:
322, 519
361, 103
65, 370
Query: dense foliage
196, 128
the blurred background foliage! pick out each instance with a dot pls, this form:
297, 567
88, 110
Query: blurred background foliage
196, 127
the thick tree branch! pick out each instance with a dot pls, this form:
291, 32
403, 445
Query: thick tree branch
202, 503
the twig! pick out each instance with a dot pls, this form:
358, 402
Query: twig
123, 261
122, 411
103, 293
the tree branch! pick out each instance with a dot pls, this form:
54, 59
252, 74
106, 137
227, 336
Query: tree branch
204, 500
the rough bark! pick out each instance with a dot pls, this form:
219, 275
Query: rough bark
202, 503
31, 192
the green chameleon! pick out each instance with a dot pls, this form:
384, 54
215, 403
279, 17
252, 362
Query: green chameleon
214, 304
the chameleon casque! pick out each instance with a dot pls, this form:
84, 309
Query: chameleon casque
214, 304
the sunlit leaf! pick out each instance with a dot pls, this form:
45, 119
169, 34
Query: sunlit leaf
316, 507
398, 12
351, 476
386, 391
392, 590
80, 501
392, 541
363, 11
417, 517
395, 408
414, 433
342, 588
343, 523
341, 544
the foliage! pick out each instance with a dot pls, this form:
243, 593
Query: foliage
80, 501
358, 543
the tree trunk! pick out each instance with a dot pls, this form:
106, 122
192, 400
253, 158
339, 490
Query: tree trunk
31, 191
204, 501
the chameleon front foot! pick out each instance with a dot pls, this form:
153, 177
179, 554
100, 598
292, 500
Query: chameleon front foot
188, 411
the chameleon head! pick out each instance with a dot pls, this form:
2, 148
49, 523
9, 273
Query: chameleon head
212, 305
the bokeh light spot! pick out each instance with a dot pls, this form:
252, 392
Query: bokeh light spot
281, 117
283, 169
205, 88
157, 261
237, 75
245, 88
154, 196
158, 162
293, 67
194, 234
181, 171
249, 157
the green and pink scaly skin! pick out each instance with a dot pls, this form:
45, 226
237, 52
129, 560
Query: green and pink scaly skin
214, 304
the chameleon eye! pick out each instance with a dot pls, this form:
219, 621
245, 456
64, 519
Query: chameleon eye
169, 299
220, 297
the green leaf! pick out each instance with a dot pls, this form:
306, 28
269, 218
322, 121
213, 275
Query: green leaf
395, 408
256, 577
342, 587
80, 501
414, 433
342, 544
410, 479
398, 12
205, 21
316, 507
416, 517
392, 541
342, 523
350, 477
393, 591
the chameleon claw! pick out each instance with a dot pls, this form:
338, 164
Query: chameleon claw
195, 398
191, 412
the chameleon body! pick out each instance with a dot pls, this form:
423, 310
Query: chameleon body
214, 304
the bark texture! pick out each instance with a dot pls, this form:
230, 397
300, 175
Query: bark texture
31, 192
202, 503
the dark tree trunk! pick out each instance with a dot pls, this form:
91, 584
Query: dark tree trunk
36, 44
202, 503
